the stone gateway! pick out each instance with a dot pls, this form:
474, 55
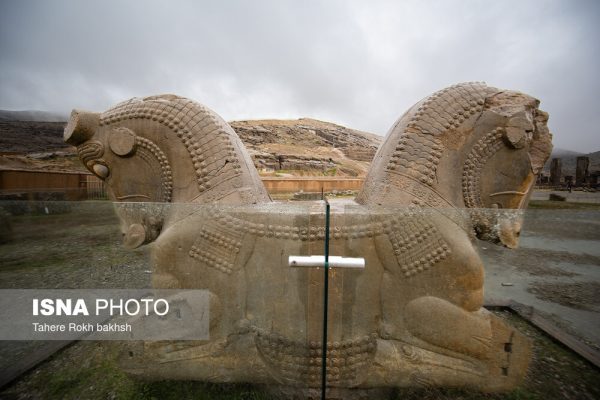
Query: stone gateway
458, 164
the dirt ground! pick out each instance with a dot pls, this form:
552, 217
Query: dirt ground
555, 267
582, 295
75, 246
89, 370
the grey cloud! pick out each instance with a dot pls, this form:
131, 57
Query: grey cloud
361, 64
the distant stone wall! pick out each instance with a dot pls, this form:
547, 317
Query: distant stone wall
581, 172
360, 153
45, 185
555, 171
291, 162
293, 185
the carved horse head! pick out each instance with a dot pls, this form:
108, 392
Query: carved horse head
163, 149
466, 146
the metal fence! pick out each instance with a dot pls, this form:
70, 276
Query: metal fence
95, 189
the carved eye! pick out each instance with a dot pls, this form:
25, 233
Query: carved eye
101, 170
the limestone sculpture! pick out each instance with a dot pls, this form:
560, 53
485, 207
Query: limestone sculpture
412, 317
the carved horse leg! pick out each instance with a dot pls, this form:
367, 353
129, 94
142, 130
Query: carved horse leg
443, 324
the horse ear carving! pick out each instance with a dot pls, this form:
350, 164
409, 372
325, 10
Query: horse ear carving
541, 144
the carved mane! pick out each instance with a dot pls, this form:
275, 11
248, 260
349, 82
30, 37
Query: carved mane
441, 153
181, 139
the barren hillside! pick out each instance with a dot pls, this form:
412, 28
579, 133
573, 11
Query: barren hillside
307, 147
282, 147
31, 136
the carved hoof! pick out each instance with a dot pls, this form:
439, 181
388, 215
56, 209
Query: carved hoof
510, 354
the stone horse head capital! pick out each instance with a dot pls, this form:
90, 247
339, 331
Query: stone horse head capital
458, 164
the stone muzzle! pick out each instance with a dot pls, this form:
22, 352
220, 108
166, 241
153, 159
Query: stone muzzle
81, 127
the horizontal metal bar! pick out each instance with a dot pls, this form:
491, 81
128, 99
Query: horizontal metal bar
319, 261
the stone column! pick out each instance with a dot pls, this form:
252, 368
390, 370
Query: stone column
555, 171
581, 171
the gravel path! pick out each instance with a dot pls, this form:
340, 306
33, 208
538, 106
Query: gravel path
556, 270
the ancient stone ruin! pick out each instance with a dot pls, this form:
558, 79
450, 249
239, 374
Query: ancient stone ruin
555, 171
182, 181
581, 170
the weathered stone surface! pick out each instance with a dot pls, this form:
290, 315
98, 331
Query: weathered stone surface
307, 145
555, 171
581, 171
412, 317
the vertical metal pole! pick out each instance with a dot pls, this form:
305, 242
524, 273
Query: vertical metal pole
325, 304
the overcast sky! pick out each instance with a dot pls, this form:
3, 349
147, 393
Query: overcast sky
357, 63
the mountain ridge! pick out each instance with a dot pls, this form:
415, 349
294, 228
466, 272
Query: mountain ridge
32, 116
304, 146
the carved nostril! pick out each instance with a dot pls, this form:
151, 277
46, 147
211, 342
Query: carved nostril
101, 170
135, 236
